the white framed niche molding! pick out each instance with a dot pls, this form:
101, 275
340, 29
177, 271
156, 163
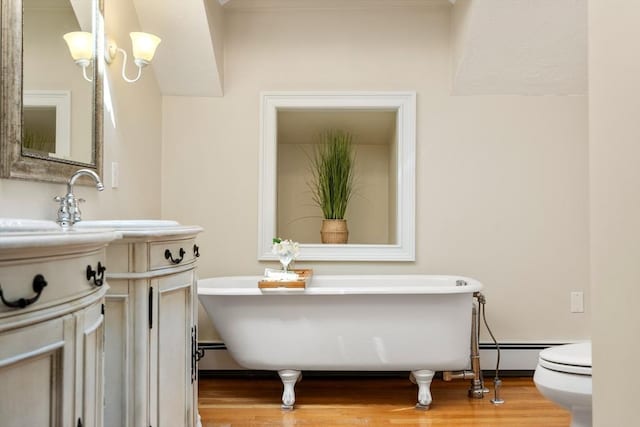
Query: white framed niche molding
403, 179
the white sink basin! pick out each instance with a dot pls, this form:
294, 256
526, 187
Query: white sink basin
27, 225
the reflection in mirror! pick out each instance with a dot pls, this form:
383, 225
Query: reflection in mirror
380, 214
48, 76
52, 116
46, 123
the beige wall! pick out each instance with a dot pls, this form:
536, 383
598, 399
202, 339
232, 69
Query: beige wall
132, 139
502, 190
393, 184
614, 132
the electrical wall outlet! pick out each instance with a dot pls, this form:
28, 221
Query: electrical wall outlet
577, 302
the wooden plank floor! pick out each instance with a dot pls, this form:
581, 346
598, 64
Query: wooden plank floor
370, 401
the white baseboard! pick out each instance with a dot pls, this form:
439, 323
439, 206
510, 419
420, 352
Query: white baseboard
513, 356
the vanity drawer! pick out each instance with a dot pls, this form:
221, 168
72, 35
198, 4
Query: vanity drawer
65, 277
171, 253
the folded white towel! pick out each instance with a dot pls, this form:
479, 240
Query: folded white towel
271, 274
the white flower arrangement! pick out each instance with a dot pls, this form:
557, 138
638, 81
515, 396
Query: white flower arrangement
285, 248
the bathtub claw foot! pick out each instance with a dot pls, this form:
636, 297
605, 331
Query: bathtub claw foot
423, 380
289, 379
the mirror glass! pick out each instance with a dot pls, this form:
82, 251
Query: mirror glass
53, 114
56, 99
380, 214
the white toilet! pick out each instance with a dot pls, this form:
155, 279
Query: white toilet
563, 375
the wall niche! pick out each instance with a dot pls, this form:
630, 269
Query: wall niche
371, 213
381, 214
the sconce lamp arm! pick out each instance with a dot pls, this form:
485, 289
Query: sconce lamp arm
84, 73
124, 65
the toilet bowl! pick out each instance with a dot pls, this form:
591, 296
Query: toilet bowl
563, 375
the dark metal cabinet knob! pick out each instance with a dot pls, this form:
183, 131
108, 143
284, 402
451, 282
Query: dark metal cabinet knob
97, 275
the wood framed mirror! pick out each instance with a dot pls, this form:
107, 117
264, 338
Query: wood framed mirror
52, 118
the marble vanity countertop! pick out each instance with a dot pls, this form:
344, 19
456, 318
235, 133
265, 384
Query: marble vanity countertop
27, 238
22, 225
142, 228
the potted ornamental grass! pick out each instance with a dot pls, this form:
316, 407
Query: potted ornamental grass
332, 183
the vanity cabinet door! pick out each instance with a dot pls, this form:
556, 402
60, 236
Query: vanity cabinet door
119, 357
171, 355
89, 365
37, 374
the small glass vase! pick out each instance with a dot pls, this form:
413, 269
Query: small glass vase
285, 260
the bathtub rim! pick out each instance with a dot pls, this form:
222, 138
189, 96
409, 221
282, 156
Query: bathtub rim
319, 286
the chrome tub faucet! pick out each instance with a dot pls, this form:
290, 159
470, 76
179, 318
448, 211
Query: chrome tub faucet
69, 209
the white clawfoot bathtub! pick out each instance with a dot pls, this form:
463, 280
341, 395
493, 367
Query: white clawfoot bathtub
417, 323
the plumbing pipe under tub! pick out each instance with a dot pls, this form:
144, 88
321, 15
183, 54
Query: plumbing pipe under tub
476, 389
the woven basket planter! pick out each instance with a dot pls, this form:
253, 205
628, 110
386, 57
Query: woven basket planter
334, 231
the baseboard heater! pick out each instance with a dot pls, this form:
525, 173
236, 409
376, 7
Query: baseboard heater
516, 359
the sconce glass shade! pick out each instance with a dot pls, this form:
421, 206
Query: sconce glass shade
144, 47
79, 43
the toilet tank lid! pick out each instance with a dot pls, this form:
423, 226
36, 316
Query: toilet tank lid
578, 354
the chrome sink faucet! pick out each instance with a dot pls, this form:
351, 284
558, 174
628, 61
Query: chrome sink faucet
69, 209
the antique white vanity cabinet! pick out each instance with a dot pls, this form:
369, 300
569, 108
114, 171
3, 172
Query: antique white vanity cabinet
51, 324
150, 366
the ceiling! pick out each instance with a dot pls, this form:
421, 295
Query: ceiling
515, 47
189, 60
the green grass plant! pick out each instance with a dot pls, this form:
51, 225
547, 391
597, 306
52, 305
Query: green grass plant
332, 173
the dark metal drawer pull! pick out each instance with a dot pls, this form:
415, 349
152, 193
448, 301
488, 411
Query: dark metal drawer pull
96, 275
196, 251
38, 285
167, 255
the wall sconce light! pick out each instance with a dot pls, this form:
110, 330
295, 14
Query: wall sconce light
144, 47
79, 43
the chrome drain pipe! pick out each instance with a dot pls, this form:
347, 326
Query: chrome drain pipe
497, 385
477, 389
457, 375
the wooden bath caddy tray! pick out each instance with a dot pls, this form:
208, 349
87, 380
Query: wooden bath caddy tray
304, 275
